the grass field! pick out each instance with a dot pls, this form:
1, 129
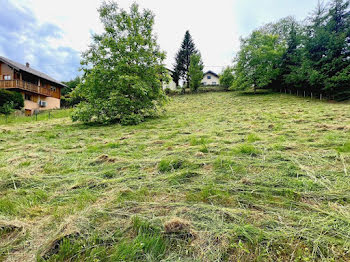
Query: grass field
44, 115
218, 177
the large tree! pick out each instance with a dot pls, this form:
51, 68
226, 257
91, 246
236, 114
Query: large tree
258, 62
183, 58
123, 69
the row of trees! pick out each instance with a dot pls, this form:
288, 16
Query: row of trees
310, 57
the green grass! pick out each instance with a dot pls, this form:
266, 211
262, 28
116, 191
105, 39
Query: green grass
42, 116
257, 178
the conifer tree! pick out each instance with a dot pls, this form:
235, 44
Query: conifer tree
183, 58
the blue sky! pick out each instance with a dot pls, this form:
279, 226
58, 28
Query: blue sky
51, 35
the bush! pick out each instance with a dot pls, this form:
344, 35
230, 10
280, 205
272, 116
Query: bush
14, 99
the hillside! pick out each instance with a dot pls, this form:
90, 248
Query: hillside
219, 177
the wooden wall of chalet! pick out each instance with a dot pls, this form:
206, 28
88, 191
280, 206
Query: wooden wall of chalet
15, 75
5, 70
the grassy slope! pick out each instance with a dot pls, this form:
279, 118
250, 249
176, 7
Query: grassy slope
246, 177
14, 119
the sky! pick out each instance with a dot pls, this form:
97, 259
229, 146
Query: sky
52, 34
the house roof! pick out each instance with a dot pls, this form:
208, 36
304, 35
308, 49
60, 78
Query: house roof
29, 70
211, 72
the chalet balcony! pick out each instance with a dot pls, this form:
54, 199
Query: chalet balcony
25, 86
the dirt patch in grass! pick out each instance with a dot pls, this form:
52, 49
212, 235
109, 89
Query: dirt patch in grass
179, 228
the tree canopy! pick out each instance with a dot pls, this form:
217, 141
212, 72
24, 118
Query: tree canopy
123, 69
313, 57
195, 71
258, 62
227, 77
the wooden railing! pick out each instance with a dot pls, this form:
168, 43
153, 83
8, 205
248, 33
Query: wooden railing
20, 84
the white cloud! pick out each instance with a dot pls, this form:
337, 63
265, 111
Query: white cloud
216, 26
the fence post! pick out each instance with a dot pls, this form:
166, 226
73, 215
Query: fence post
320, 96
49, 114
36, 116
311, 95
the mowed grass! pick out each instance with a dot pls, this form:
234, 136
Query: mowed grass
14, 119
217, 177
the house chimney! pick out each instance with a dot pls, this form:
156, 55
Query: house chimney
27, 65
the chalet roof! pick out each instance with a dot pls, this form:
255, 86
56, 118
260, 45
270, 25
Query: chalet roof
211, 72
29, 70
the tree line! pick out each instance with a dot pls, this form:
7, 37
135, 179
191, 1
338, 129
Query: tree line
308, 58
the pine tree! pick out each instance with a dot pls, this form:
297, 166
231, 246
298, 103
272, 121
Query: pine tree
183, 58
327, 50
337, 68
292, 59
315, 50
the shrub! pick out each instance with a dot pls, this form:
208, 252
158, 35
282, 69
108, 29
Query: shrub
14, 99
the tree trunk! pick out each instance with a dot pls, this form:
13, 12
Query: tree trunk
188, 80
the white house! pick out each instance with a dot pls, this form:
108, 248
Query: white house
171, 85
210, 79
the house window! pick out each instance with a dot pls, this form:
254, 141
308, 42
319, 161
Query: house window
204, 83
208, 77
53, 89
27, 97
7, 77
214, 83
